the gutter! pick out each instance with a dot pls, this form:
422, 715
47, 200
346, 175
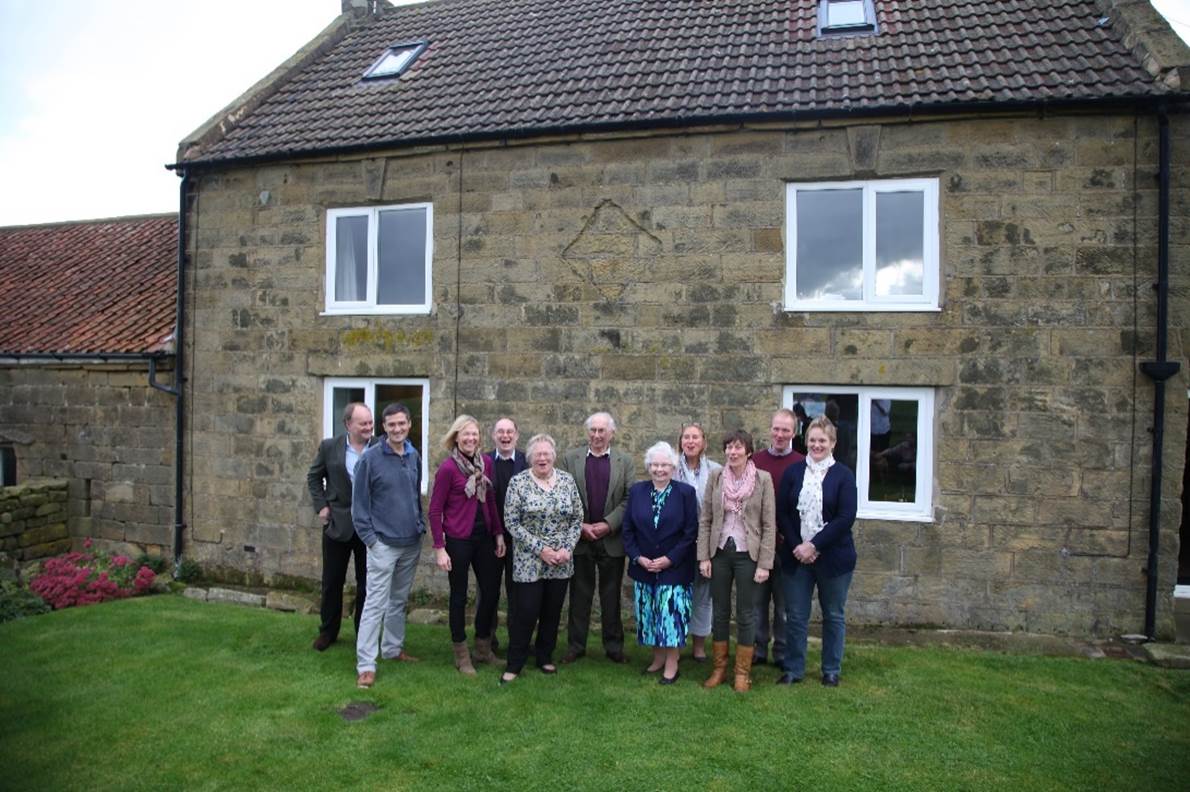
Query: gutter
1159, 370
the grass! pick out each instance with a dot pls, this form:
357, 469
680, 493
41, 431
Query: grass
163, 692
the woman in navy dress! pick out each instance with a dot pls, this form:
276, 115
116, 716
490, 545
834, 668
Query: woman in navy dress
659, 531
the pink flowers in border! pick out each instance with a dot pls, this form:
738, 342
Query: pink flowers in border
87, 578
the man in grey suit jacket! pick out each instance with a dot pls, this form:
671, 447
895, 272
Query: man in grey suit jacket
329, 480
603, 477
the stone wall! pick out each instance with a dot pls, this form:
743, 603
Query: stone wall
645, 275
33, 520
106, 432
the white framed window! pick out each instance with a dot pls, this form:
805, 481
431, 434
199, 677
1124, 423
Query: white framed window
862, 246
846, 16
885, 435
338, 392
378, 259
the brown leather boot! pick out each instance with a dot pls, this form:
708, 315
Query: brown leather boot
743, 668
719, 665
463, 659
483, 651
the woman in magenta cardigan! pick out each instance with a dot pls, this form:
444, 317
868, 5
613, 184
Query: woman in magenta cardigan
467, 532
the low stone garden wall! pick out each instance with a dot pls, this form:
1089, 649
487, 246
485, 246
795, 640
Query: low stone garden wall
33, 520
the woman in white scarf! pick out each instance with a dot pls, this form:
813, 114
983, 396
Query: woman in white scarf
816, 507
694, 468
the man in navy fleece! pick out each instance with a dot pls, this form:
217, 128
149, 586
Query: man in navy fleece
386, 511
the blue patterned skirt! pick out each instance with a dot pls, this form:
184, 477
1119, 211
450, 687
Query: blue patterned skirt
662, 613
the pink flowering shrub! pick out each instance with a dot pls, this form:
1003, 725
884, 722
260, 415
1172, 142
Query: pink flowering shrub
89, 577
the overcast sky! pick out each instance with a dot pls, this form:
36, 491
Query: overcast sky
96, 94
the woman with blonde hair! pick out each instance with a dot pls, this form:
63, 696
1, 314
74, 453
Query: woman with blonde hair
468, 534
695, 469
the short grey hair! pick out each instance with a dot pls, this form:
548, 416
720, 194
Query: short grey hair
611, 422
540, 439
661, 449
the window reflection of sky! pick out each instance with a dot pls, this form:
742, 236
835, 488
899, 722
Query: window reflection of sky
900, 259
830, 245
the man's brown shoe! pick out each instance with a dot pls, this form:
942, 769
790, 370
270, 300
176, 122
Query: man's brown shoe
366, 680
570, 656
322, 642
403, 657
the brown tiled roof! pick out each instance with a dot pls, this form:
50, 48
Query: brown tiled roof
503, 68
99, 286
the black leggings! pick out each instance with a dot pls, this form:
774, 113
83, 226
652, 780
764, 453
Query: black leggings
479, 553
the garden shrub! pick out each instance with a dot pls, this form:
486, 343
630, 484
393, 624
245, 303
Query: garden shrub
188, 571
85, 578
16, 602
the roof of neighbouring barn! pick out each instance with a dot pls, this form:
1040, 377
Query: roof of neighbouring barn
89, 287
495, 69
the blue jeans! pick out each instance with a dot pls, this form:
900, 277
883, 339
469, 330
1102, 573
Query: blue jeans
799, 583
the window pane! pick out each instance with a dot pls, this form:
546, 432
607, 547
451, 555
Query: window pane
410, 396
343, 397
402, 276
392, 62
843, 411
830, 245
351, 259
845, 12
900, 258
893, 476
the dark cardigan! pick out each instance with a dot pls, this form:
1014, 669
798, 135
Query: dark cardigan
836, 547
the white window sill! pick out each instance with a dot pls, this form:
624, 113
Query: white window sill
894, 515
856, 306
396, 310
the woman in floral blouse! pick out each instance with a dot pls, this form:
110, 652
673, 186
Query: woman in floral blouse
544, 514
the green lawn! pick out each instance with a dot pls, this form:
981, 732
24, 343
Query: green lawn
166, 693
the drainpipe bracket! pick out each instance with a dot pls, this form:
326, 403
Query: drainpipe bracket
1160, 370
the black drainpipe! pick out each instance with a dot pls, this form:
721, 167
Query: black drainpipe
179, 390
1159, 371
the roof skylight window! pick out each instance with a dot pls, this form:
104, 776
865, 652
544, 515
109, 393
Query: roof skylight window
395, 60
846, 17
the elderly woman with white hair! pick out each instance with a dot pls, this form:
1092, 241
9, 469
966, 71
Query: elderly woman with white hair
660, 529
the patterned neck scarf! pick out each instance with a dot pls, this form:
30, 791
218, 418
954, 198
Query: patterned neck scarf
477, 482
659, 497
696, 478
809, 500
738, 490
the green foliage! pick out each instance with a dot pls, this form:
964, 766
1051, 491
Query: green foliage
227, 697
153, 562
188, 571
16, 601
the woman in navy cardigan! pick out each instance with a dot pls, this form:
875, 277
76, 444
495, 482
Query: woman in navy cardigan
659, 531
468, 534
815, 511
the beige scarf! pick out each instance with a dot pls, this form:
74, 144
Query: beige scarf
477, 482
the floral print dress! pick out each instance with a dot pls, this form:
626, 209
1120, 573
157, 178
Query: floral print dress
538, 519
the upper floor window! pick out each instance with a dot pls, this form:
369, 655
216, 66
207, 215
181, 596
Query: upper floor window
886, 436
338, 392
862, 246
846, 16
378, 259
395, 60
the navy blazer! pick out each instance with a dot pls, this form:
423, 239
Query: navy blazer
836, 547
674, 536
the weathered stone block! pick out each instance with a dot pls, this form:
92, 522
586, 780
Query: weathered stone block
216, 594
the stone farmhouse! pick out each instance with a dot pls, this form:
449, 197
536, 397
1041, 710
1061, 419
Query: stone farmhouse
87, 441
957, 225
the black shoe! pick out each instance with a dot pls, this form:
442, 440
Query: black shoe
830, 680
617, 656
664, 680
759, 660
788, 679
572, 655
698, 659
322, 642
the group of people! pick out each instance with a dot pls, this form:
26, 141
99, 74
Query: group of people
772, 524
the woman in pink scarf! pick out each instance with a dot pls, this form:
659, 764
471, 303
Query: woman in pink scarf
736, 541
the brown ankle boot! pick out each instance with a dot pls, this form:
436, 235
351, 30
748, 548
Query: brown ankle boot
463, 659
719, 665
484, 652
743, 668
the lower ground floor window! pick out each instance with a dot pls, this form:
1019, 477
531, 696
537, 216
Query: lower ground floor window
8, 467
377, 394
885, 435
